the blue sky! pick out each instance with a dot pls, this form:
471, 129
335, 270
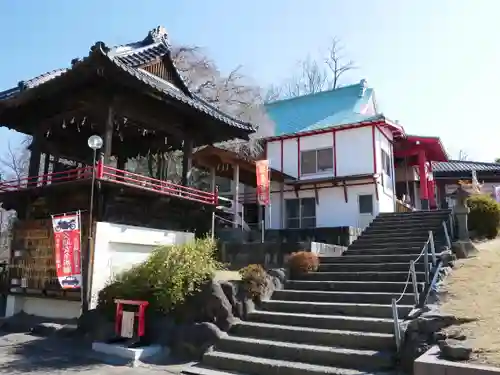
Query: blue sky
434, 64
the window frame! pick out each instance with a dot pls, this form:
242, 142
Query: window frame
316, 166
300, 218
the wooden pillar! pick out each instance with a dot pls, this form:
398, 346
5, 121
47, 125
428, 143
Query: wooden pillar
46, 163
212, 179
108, 135
187, 160
34, 164
236, 195
424, 191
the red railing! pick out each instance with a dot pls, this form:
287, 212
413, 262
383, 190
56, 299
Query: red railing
46, 179
114, 175
152, 184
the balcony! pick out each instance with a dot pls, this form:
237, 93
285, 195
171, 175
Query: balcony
113, 176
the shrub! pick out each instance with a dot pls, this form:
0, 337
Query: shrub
166, 277
253, 278
484, 216
303, 262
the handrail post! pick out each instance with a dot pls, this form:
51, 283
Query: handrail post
397, 332
414, 281
448, 241
426, 262
433, 248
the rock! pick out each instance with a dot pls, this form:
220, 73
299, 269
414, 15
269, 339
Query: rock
192, 340
454, 350
95, 325
231, 291
279, 273
422, 332
48, 329
160, 329
210, 304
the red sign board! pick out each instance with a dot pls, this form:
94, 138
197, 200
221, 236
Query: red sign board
67, 248
263, 183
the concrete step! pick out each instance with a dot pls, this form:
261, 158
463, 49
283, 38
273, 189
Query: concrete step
408, 246
316, 336
360, 276
363, 259
313, 354
349, 323
351, 287
341, 297
431, 222
332, 308
362, 267
401, 230
254, 365
393, 239
199, 369
396, 235
416, 213
368, 250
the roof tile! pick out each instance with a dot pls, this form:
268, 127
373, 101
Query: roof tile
464, 166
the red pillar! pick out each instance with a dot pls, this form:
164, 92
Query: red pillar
424, 192
432, 188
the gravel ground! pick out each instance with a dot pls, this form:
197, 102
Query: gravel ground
22, 353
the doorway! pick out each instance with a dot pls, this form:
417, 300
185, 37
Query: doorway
365, 210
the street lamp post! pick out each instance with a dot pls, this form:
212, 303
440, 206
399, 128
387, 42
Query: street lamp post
95, 143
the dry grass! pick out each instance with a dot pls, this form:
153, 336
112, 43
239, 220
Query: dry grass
473, 291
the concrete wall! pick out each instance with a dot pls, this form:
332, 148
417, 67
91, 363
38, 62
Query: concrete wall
116, 248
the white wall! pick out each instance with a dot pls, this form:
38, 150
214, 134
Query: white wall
118, 247
386, 183
44, 307
332, 210
354, 152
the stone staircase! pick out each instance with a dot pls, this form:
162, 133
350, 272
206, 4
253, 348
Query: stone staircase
337, 320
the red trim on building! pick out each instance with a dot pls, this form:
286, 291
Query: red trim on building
334, 136
374, 149
298, 157
397, 130
282, 156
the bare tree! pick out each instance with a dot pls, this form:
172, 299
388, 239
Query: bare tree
231, 93
337, 63
314, 76
14, 163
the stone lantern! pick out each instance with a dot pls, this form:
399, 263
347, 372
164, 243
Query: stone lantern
463, 246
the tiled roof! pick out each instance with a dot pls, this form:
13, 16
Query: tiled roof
454, 166
345, 105
33, 82
128, 58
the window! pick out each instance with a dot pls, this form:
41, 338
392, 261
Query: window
314, 161
386, 170
300, 213
366, 204
386, 163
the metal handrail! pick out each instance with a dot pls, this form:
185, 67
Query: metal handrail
413, 276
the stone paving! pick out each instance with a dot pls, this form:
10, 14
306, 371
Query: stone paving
22, 353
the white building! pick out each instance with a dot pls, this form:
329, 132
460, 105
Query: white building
336, 161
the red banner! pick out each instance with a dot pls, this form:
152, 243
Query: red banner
263, 183
67, 248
